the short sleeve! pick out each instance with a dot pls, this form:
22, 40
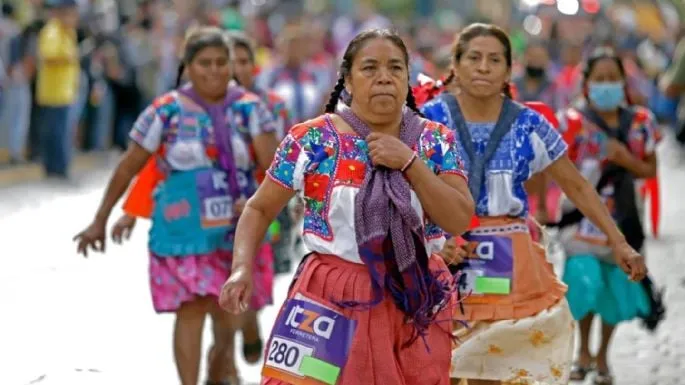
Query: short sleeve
546, 142
147, 130
436, 111
261, 119
440, 150
289, 163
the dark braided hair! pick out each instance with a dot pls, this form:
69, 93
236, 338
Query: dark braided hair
196, 40
482, 30
351, 52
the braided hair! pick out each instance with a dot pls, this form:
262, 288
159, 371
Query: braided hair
351, 52
195, 41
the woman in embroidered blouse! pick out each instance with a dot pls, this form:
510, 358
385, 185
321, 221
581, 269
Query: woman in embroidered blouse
201, 134
613, 144
244, 74
244, 66
520, 327
377, 181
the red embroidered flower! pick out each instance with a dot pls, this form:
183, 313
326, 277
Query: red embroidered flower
351, 172
316, 186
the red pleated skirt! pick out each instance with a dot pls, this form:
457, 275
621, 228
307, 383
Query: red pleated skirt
377, 354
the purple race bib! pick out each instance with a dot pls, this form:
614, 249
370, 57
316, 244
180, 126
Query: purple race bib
490, 264
216, 205
309, 344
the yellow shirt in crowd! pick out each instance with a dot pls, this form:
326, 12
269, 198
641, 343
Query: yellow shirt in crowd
59, 69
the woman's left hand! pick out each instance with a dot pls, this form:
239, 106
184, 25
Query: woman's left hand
388, 151
618, 153
630, 261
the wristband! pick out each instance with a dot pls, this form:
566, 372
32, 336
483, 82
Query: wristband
409, 162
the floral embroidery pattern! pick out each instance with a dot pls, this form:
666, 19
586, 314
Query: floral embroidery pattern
184, 121
591, 141
327, 158
538, 338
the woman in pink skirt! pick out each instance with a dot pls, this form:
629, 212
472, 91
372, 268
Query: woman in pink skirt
377, 180
201, 136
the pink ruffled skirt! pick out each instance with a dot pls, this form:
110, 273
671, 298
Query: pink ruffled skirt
174, 281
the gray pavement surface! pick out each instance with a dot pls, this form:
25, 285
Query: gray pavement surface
69, 320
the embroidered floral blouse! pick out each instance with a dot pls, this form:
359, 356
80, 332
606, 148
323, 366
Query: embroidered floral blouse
326, 168
588, 146
529, 147
181, 133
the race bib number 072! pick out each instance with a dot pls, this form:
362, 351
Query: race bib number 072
216, 205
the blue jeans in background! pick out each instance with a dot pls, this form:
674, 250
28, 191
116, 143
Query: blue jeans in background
100, 122
15, 117
56, 138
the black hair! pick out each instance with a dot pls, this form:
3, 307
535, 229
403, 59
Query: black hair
240, 39
196, 41
7, 10
482, 30
603, 53
351, 52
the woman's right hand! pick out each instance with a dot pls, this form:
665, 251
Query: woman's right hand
92, 237
237, 291
451, 253
123, 228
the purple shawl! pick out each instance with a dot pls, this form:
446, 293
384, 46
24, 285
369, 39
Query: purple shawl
222, 132
389, 235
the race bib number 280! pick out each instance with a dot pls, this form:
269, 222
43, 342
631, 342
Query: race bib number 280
310, 344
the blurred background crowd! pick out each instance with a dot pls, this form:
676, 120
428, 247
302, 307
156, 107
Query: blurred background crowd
127, 53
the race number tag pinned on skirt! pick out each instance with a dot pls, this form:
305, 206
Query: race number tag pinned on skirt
216, 205
310, 344
489, 265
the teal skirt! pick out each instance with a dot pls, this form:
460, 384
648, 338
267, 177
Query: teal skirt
596, 287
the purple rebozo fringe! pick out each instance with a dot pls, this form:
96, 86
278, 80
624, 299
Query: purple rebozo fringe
389, 235
421, 304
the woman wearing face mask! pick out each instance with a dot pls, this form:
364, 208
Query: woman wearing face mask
613, 145
200, 136
377, 181
519, 325
534, 85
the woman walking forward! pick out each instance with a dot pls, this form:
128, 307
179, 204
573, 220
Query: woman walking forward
614, 145
201, 134
520, 327
366, 303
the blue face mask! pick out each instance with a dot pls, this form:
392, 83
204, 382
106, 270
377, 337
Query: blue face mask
606, 96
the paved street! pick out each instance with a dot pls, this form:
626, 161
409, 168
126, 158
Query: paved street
69, 320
